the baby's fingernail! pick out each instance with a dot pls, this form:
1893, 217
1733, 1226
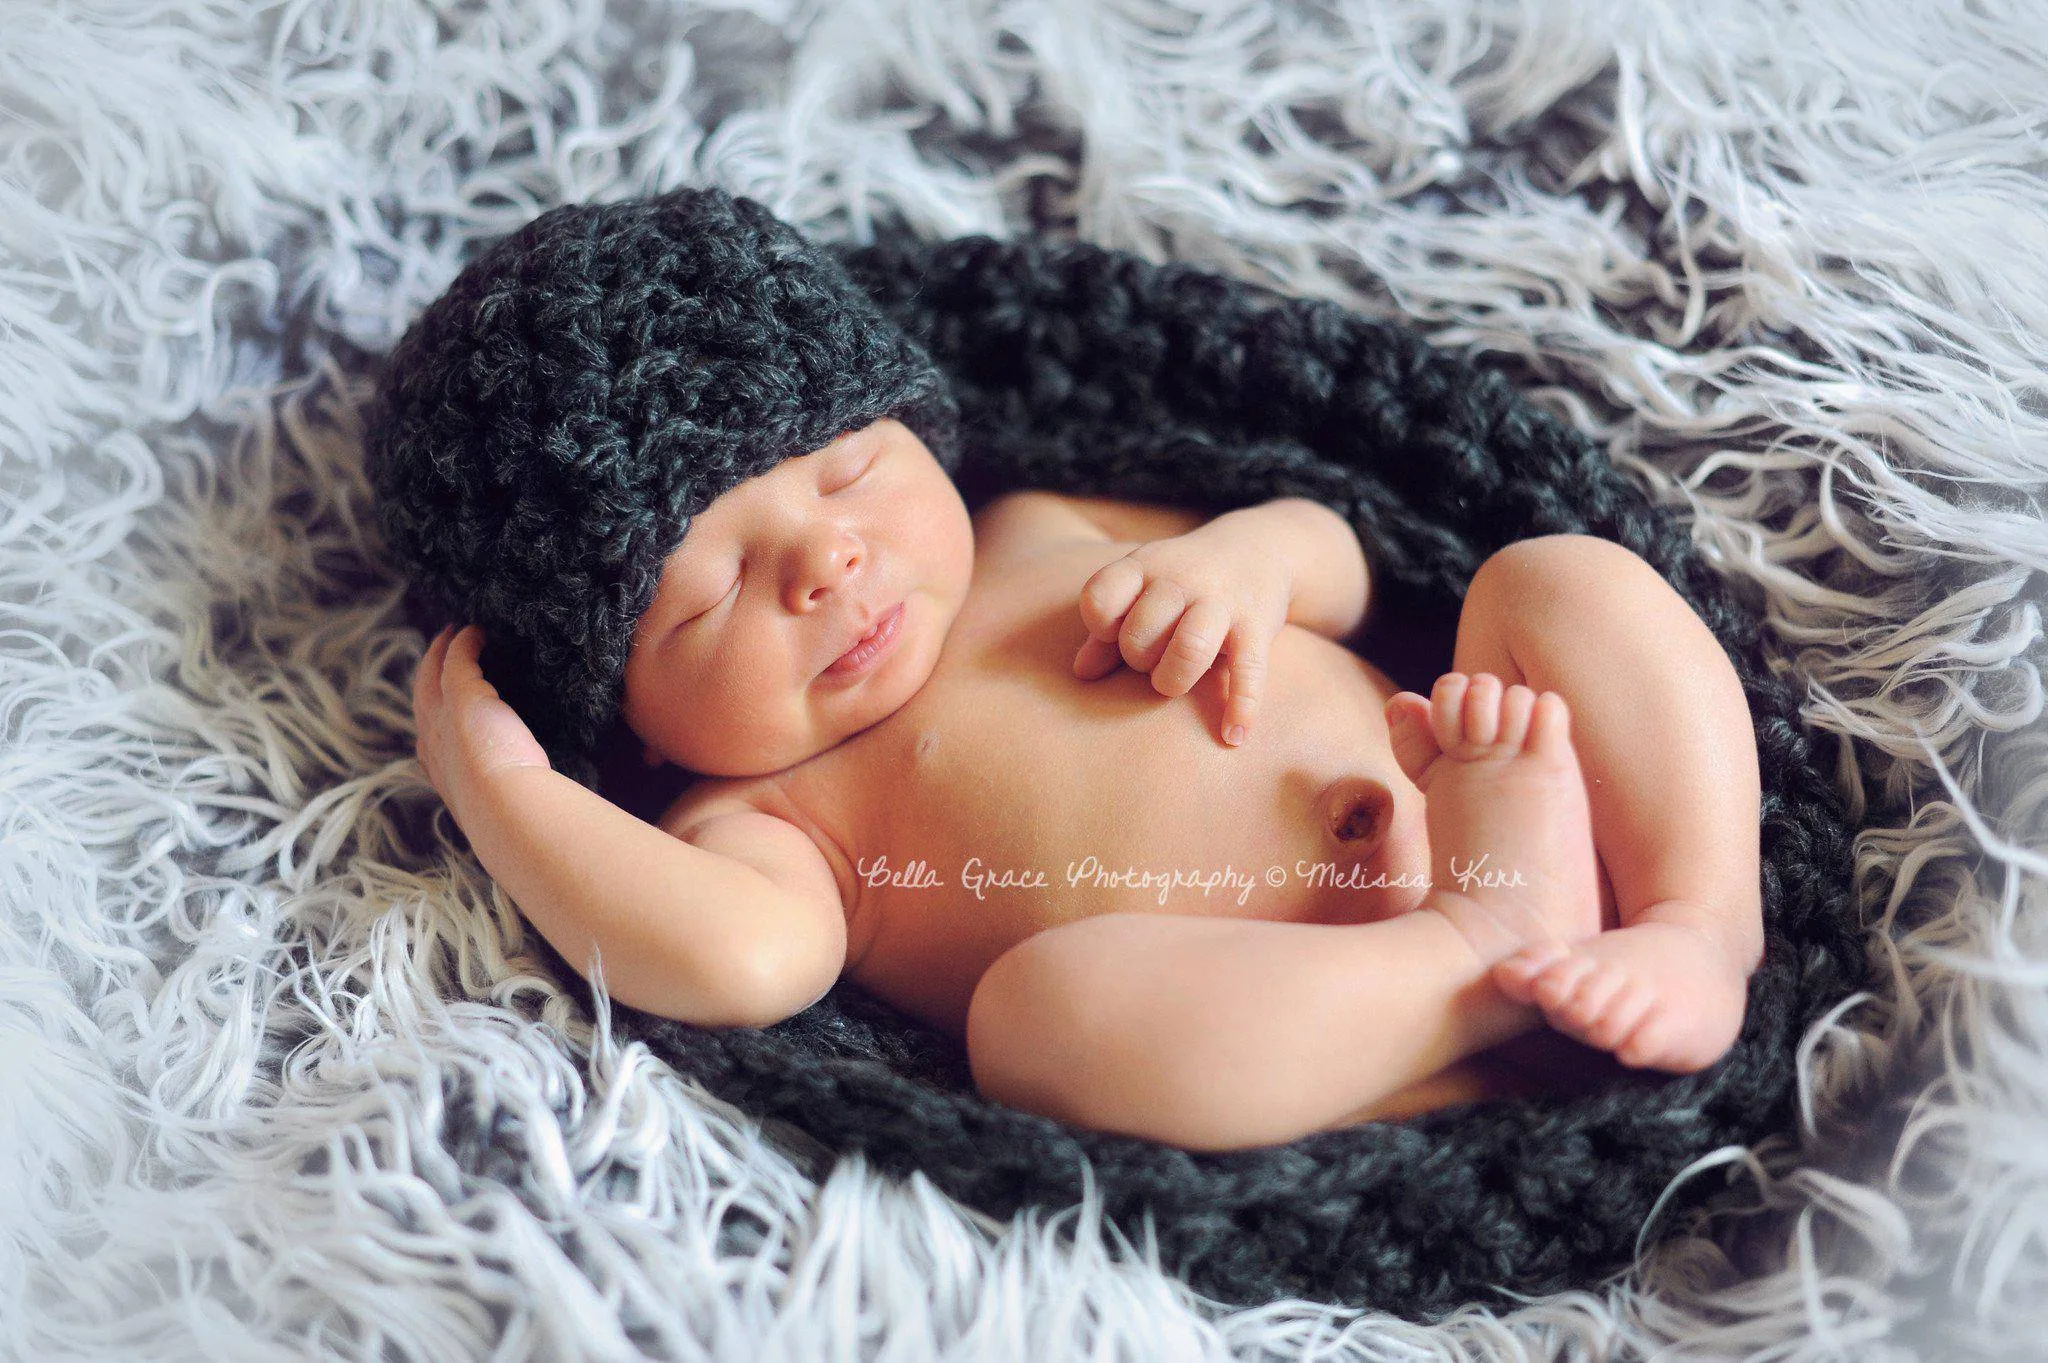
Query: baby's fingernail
1234, 735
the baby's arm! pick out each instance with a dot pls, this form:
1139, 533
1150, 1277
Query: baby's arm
744, 935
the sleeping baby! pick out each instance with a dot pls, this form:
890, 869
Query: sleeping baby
1095, 786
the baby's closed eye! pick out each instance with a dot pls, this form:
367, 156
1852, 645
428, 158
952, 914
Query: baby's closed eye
855, 468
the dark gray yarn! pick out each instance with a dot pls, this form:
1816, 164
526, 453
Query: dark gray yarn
1094, 372
546, 429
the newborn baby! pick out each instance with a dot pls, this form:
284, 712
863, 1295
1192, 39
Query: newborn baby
1095, 786
938, 749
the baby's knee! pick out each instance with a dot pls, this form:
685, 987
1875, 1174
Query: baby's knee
1020, 1030
1590, 596
1537, 568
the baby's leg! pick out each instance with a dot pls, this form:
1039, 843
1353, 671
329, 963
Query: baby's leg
1226, 1033
1665, 737
1222, 1033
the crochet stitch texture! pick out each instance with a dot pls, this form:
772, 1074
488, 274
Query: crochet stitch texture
546, 429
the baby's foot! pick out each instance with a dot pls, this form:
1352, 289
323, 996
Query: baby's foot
1658, 995
1510, 835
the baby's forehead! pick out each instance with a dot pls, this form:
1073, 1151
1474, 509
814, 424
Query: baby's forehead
695, 541
708, 512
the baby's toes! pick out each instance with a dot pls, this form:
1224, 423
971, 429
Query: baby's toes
1447, 712
1409, 733
1679, 1044
1645, 1046
1516, 976
1597, 1002
1481, 712
1621, 1015
1465, 712
1581, 1016
1661, 1041
1558, 986
1517, 707
1550, 726
1590, 1001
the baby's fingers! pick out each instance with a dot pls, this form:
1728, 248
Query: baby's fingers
1107, 596
1097, 658
464, 687
1105, 599
489, 735
1150, 623
1197, 637
1244, 683
426, 678
462, 665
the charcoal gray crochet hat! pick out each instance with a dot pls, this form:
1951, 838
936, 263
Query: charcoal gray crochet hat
546, 429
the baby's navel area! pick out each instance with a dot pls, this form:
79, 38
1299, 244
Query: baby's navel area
1009, 797
1359, 811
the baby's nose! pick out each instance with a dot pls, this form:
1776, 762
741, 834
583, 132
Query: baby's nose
1358, 811
827, 563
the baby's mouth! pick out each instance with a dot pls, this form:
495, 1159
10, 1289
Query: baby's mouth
872, 631
879, 636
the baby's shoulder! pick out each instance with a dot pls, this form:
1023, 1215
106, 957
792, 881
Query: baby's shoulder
1028, 521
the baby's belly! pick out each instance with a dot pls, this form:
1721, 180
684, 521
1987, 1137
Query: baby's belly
1034, 804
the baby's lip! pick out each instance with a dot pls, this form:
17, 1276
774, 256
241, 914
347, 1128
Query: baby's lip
869, 619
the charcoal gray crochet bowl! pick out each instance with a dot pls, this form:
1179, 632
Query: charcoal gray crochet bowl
1094, 372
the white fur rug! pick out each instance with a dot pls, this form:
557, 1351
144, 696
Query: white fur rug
266, 1038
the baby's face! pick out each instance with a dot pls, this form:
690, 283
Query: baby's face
732, 668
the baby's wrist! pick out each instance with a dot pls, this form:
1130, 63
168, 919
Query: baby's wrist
1318, 554
487, 799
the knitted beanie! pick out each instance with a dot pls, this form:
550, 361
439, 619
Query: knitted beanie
546, 429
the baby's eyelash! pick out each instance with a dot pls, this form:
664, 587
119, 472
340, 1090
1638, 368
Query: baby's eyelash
714, 605
859, 474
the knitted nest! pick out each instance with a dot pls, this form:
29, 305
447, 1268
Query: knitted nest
1094, 372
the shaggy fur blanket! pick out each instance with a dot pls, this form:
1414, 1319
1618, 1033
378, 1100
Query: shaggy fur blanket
284, 1077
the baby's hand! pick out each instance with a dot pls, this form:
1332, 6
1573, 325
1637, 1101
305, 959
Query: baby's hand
1168, 608
467, 734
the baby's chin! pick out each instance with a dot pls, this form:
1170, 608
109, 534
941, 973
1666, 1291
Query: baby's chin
740, 766
762, 760
709, 761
